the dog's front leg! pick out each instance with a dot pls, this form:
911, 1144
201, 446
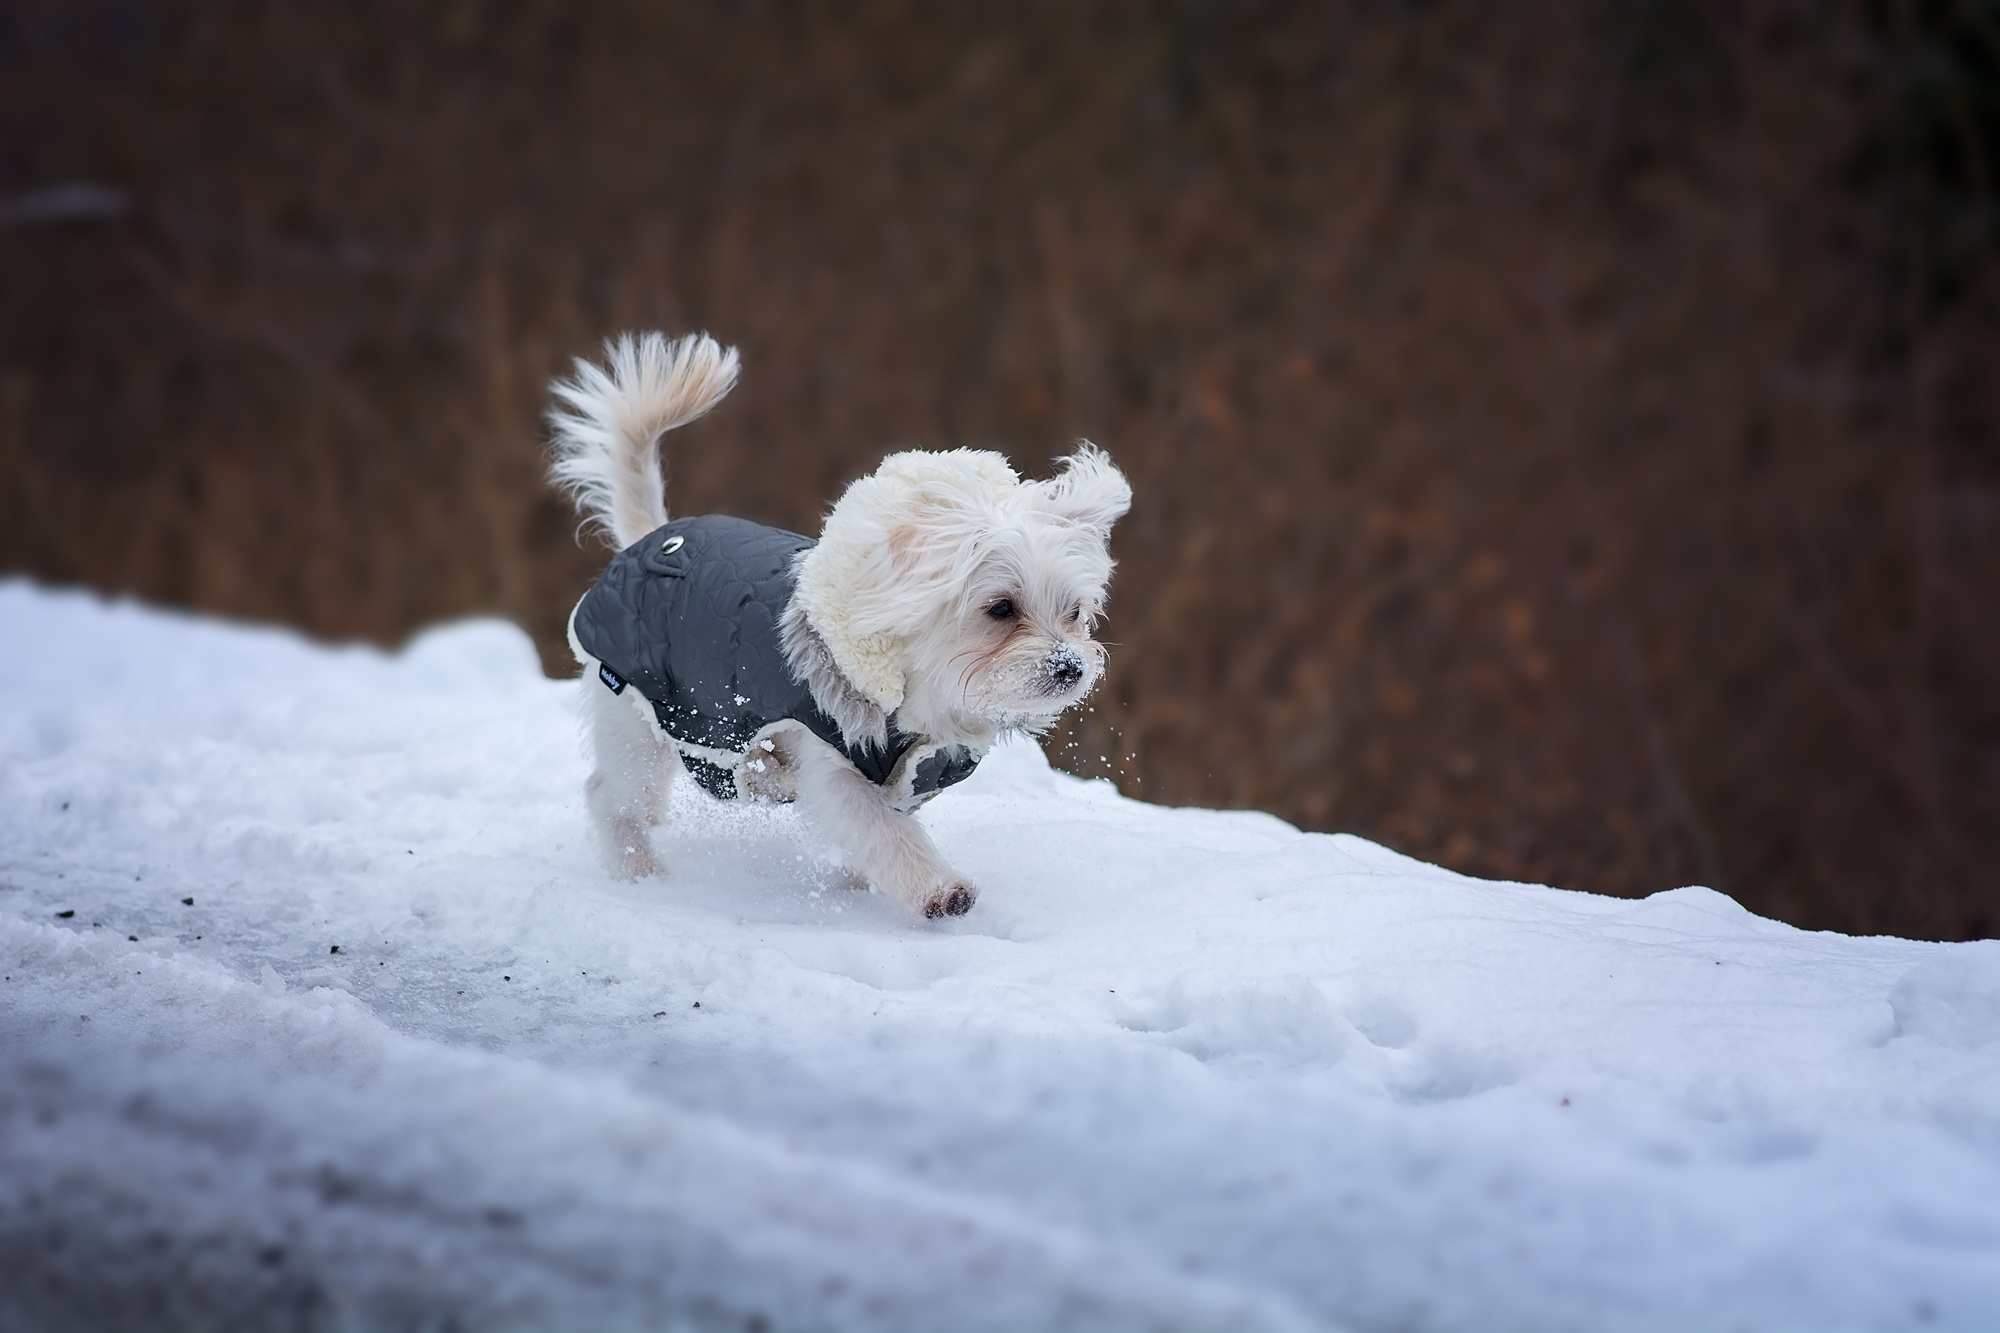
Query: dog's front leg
888, 847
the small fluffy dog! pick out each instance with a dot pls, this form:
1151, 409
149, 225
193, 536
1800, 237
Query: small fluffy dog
945, 603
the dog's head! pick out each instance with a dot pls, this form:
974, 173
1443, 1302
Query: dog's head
948, 590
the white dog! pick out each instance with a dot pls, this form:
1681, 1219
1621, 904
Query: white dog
945, 603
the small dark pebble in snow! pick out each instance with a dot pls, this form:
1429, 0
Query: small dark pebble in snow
334, 949
661, 1014
70, 913
65, 805
187, 902
133, 938
506, 978
697, 1004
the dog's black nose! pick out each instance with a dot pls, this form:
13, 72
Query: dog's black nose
1065, 669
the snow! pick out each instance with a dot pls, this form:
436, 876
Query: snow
1179, 1069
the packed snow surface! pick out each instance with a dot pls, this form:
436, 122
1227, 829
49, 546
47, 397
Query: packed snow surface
410, 1058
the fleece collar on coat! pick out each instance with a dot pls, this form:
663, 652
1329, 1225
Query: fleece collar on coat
863, 718
827, 574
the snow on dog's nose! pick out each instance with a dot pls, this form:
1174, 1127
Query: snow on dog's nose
1064, 668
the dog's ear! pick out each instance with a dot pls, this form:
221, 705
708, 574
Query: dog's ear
1089, 490
901, 542
934, 507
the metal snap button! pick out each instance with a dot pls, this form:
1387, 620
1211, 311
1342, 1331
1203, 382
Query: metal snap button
672, 544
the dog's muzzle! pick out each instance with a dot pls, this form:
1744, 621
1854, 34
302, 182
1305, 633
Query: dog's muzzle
1062, 669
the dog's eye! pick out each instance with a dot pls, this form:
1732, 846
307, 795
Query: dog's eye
1001, 610
1074, 613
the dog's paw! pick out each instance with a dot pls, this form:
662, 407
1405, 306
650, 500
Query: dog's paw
952, 900
637, 862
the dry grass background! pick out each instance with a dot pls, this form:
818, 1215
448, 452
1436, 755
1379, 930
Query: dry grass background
1564, 433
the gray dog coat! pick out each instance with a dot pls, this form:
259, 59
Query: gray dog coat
689, 617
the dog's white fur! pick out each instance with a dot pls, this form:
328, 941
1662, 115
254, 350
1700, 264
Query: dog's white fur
896, 613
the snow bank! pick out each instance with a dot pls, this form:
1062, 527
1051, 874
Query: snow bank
1179, 1068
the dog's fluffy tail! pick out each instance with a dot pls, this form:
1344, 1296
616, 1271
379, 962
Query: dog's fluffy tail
607, 431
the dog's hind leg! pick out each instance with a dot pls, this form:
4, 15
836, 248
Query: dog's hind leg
628, 788
887, 846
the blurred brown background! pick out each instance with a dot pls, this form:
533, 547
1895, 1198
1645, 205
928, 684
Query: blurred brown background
1564, 433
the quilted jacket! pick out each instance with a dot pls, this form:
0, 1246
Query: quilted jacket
688, 616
